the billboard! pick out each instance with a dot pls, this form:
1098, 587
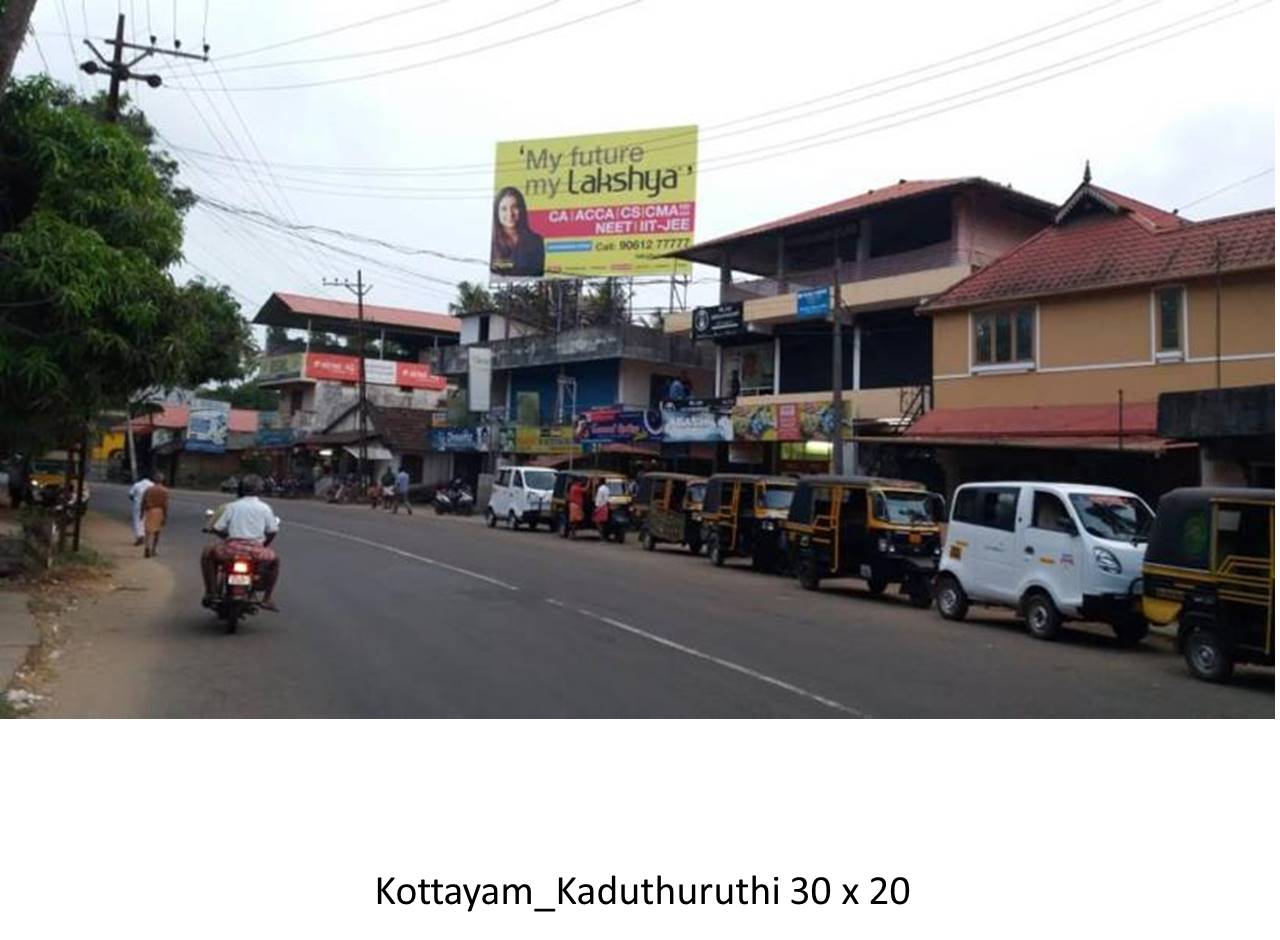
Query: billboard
207, 424
697, 420
338, 368
798, 421
599, 205
616, 425
479, 376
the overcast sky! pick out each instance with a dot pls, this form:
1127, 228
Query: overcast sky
1167, 124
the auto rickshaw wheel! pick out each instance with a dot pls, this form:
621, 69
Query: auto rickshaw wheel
919, 593
647, 540
490, 518
952, 603
1130, 632
807, 574
1207, 656
876, 584
1043, 619
715, 550
695, 547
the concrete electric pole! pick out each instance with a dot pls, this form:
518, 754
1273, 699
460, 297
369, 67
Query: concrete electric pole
122, 71
359, 288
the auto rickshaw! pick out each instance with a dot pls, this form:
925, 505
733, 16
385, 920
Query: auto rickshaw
668, 508
742, 515
1211, 567
883, 531
619, 516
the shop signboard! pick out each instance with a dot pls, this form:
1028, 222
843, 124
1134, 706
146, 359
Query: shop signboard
557, 439
799, 421
697, 420
208, 422
813, 303
617, 426
599, 205
714, 322
332, 367
283, 366
458, 439
479, 377
755, 422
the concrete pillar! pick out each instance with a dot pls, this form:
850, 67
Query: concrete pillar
777, 364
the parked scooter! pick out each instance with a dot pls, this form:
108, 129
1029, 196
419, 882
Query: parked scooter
456, 499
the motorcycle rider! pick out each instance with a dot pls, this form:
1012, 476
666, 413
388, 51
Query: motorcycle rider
248, 526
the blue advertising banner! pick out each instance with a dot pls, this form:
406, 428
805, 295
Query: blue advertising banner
698, 420
273, 437
813, 303
458, 439
207, 424
617, 426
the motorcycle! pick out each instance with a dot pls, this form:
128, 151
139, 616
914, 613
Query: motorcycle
456, 500
237, 587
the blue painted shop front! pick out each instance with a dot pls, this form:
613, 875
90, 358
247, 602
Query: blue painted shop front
597, 385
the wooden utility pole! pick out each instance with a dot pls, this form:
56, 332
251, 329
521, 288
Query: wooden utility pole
359, 288
13, 30
121, 71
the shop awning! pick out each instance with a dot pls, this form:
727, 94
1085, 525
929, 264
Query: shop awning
1039, 421
372, 452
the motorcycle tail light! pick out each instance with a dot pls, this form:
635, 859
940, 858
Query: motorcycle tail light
240, 566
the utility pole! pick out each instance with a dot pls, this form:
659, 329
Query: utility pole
122, 71
359, 288
837, 365
13, 30
1217, 314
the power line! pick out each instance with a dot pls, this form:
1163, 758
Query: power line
334, 30
39, 50
66, 23
475, 168
446, 58
519, 14
1227, 188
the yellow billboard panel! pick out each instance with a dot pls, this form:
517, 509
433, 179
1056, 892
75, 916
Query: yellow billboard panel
602, 205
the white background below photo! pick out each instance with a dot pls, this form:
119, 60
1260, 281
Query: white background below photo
274, 829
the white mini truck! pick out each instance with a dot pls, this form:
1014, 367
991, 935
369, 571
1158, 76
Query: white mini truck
522, 496
1051, 551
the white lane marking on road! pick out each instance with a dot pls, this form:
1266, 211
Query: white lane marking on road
708, 657
435, 563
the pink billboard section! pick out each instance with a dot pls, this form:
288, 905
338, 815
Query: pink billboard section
338, 368
661, 218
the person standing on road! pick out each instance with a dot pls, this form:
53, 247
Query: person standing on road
402, 492
135, 507
601, 515
155, 513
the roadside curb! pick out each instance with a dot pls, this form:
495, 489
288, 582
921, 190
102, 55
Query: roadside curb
19, 635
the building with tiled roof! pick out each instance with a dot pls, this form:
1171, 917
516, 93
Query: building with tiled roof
1067, 342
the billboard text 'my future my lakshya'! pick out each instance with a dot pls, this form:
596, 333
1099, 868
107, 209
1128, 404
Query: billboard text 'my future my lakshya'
594, 206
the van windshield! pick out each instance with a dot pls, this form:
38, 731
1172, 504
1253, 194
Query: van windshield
539, 479
778, 497
906, 507
1107, 516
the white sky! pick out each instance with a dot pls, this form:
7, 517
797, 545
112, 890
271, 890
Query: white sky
1166, 124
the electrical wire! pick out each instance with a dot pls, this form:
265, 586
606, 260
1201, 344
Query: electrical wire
382, 73
39, 49
1227, 188
337, 29
66, 23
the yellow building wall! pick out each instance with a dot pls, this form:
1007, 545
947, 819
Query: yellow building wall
1113, 331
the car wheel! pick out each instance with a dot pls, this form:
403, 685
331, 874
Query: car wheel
1207, 656
647, 540
513, 523
1043, 619
490, 519
715, 551
1130, 632
952, 603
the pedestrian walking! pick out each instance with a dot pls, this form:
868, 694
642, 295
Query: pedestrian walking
135, 507
402, 492
577, 503
155, 513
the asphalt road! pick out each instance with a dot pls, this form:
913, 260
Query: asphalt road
434, 617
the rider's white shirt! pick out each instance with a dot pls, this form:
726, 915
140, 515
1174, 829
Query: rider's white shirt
248, 519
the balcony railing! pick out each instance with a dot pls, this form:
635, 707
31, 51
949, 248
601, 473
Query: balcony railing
594, 342
942, 255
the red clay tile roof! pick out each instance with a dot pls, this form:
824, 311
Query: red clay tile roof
903, 189
302, 306
1134, 244
174, 417
1032, 421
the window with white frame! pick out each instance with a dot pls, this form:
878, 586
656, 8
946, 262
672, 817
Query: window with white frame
1005, 337
1170, 311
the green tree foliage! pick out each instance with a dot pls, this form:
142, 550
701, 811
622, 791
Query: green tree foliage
245, 395
88, 311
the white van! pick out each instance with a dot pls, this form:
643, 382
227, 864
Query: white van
521, 496
1051, 551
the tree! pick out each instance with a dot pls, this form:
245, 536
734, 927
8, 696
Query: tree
249, 395
606, 302
472, 299
88, 311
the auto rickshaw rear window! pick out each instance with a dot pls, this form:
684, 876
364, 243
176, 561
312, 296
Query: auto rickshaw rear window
906, 507
778, 497
1243, 531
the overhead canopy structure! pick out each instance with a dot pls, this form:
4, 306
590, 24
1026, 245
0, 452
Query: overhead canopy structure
413, 329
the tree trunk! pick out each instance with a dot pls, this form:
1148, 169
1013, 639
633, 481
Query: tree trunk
13, 30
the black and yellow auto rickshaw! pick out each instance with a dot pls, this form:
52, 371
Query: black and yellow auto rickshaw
618, 518
668, 508
883, 531
742, 515
1211, 568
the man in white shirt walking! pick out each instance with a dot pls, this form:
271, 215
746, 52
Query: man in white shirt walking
135, 508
